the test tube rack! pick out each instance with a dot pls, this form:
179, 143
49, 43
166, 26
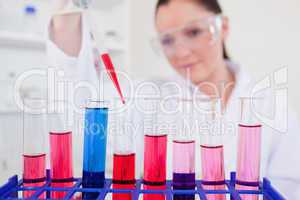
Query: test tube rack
13, 186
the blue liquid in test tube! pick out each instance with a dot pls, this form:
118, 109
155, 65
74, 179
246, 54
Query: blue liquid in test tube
95, 137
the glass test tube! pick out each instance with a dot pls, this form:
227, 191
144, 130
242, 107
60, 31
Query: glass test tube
34, 154
155, 150
249, 148
95, 139
124, 148
184, 151
61, 157
212, 152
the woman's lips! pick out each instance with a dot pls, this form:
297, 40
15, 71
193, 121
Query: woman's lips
187, 66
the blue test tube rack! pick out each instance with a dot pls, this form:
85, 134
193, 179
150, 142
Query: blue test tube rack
13, 186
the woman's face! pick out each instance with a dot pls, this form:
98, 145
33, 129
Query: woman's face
186, 40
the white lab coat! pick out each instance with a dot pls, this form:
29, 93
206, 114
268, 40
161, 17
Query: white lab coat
279, 161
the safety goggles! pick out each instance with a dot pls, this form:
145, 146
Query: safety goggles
196, 34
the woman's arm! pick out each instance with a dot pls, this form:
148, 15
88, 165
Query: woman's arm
65, 32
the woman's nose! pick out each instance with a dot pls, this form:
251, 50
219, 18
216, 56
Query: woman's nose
182, 51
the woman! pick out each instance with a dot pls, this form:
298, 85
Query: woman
192, 35
189, 45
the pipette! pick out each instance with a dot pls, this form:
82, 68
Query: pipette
83, 6
112, 73
105, 57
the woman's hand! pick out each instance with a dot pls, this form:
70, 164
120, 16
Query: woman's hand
65, 28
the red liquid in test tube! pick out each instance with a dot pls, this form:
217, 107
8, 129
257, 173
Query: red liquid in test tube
123, 148
123, 174
34, 173
155, 165
212, 158
248, 166
34, 157
61, 161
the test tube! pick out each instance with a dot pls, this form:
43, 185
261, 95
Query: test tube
212, 152
184, 151
124, 148
249, 148
34, 154
155, 150
94, 153
61, 157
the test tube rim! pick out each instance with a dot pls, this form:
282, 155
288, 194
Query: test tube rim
207, 146
102, 104
123, 154
34, 155
250, 126
184, 142
60, 132
156, 136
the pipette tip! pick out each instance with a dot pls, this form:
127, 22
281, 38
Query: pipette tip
112, 74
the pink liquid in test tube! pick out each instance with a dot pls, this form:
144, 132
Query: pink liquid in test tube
248, 166
155, 165
184, 168
212, 158
34, 174
61, 161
